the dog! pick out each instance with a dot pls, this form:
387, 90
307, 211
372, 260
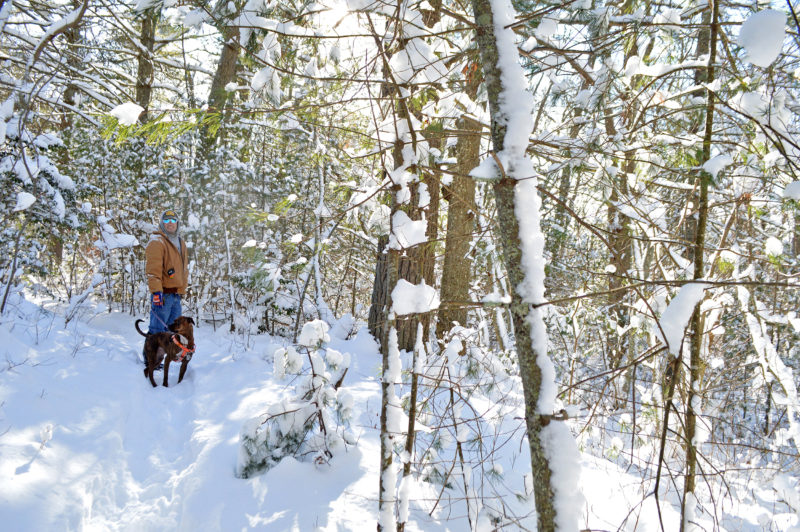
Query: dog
176, 346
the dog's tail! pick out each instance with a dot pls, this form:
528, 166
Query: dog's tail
138, 329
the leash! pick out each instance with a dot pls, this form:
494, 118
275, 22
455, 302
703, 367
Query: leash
166, 327
160, 320
185, 351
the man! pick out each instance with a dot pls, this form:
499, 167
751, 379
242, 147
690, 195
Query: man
166, 266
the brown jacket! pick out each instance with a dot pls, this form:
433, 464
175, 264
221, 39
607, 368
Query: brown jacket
161, 257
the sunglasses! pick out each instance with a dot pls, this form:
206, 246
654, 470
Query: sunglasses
170, 220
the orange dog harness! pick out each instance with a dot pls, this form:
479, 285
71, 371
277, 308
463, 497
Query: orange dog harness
184, 349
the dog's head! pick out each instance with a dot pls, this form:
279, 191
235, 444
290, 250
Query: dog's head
184, 326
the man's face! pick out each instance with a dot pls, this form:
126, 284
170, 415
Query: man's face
170, 224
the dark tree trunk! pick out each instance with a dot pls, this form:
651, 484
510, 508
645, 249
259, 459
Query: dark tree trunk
460, 194
218, 96
380, 291
144, 74
696, 362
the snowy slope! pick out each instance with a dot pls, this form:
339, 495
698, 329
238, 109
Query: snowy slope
125, 456
87, 444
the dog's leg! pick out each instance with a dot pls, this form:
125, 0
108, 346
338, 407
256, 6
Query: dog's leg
150, 358
148, 372
153, 363
167, 360
184, 365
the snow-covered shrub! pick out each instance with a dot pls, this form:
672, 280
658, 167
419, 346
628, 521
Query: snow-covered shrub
314, 333
39, 203
310, 425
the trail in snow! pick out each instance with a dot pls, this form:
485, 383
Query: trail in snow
126, 456
87, 444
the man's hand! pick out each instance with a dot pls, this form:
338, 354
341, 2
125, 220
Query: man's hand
158, 299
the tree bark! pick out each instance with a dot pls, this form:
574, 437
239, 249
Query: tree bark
697, 365
504, 193
460, 221
380, 291
144, 73
218, 96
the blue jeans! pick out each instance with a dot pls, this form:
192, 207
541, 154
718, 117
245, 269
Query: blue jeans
162, 317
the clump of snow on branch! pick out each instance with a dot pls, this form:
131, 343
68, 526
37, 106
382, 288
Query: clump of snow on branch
715, 165
677, 314
127, 113
24, 201
314, 333
406, 232
110, 239
773, 247
762, 35
409, 298
792, 191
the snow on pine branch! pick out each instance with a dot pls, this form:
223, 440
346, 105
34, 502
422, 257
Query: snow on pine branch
311, 424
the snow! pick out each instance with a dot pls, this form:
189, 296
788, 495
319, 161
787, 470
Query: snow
127, 113
416, 62
143, 5
676, 317
792, 191
715, 165
546, 29
485, 171
195, 18
496, 298
636, 67
762, 36
87, 444
24, 200
408, 298
47, 140
314, 333
7, 107
261, 78
111, 241
773, 246
406, 232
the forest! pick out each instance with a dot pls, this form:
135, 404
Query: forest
571, 229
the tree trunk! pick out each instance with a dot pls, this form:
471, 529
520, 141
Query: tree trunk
380, 292
697, 366
527, 321
144, 74
460, 226
218, 96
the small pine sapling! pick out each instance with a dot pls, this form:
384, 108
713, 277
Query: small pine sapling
311, 425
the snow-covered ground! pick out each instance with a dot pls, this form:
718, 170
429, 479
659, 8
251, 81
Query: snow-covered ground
87, 444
